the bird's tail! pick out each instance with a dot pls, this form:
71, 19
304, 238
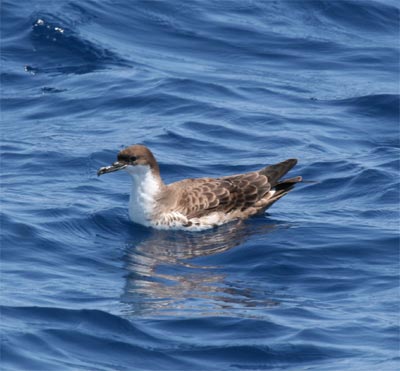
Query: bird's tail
280, 187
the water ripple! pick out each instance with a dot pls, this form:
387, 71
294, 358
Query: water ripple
213, 88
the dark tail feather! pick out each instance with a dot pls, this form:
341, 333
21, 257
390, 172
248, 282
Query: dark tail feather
288, 182
281, 188
275, 172
284, 187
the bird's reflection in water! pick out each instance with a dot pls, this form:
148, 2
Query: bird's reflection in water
173, 273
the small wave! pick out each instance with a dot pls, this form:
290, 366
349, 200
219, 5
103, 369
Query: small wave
82, 334
379, 105
55, 44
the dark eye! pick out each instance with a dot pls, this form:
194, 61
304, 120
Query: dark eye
132, 158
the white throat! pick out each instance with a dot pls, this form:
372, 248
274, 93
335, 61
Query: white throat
145, 187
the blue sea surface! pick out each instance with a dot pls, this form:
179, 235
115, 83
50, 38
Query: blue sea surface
213, 88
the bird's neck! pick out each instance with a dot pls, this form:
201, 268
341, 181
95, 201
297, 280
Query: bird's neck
146, 180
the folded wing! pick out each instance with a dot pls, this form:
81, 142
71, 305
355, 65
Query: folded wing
202, 196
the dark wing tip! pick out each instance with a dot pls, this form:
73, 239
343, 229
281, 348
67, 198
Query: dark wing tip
296, 179
277, 171
292, 161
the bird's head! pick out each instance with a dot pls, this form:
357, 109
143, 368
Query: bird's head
134, 159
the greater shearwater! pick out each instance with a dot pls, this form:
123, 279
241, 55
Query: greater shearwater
200, 203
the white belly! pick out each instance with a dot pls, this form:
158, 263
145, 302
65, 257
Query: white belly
176, 220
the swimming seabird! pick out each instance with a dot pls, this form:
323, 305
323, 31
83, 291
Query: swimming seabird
200, 203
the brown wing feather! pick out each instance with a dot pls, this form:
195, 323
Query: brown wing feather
202, 196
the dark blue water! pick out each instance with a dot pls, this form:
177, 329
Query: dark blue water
213, 88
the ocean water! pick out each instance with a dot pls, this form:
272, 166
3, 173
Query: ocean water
213, 88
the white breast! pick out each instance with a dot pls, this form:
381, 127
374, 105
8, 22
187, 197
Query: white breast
144, 190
